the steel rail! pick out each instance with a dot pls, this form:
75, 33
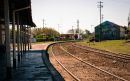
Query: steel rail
94, 65
121, 54
75, 77
105, 53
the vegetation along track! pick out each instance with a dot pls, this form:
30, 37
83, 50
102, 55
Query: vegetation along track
85, 71
119, 56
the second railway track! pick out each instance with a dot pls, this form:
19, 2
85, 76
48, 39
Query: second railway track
81, 70
119, 56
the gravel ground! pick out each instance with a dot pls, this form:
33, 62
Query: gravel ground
112, 65
85, 73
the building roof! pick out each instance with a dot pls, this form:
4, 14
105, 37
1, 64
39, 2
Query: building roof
24, 15
109, 24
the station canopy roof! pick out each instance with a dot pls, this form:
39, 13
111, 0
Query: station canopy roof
25, 15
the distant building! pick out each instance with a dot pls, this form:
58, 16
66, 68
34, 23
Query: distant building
67, 36
109, 31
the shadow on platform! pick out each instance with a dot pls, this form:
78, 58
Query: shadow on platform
35, 66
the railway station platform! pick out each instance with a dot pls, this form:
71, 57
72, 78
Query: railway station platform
35, 66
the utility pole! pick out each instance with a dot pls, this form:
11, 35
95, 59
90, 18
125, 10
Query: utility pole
72, 30
129, 19
91, 28
78, 32
43, 23
58, 28
102, 18
128, 32
100, 6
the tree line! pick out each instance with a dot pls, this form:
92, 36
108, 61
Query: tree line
45, 34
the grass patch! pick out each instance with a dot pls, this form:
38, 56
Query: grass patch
38, 42
116, 46
42, 42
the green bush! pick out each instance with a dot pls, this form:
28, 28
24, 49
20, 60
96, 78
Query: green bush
40, 39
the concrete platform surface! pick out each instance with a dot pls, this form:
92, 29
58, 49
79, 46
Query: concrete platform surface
32, 68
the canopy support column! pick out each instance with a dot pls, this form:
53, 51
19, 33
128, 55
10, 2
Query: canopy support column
30, 38
21, 41
18, 38
7, 40
14, 41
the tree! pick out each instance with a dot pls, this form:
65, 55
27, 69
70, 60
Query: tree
86, 34
45, 34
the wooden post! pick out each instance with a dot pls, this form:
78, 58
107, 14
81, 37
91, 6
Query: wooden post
0, 34
14, 41
7, 41
21, 40
18, 38
30, 38
25, 38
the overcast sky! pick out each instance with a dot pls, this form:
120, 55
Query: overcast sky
66, 12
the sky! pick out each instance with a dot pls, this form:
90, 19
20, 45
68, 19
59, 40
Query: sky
62, 15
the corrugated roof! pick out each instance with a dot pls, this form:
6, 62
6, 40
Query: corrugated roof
108, 23
24, 15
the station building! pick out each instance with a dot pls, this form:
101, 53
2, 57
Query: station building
109, 31
15, 23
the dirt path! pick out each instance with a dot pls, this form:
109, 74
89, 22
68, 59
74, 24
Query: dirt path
40, 46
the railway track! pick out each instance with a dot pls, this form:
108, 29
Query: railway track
83, 65
120, 56
115, 58
70, 73
115, 65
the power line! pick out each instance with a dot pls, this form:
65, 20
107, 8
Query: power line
121, 1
